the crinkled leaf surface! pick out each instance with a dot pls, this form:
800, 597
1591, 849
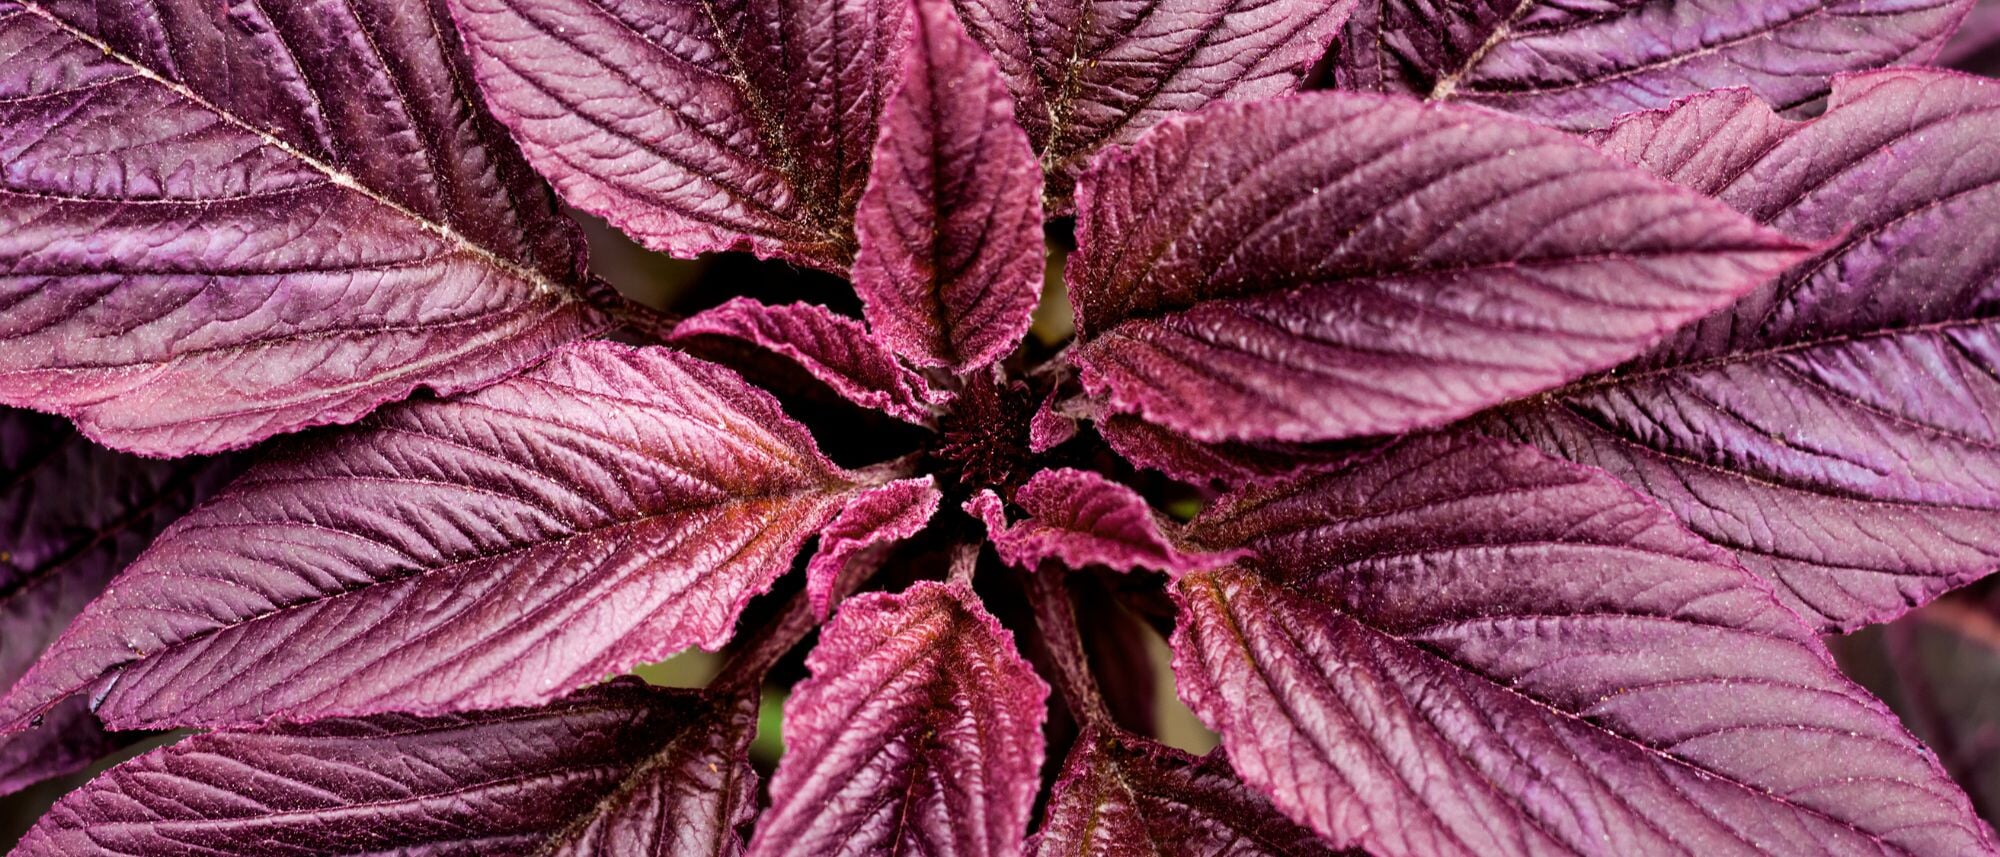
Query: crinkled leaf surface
1939, 668
1125, 796
833, 348
1835, 428
696, 126
71, 515
610, 506
622, 769
1581, 65
1471, 648
1079, 518
1228, 462
1086, 75
1333, 264
918, 733
950, 225
220, 222
879, 516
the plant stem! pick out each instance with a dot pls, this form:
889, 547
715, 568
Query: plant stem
1055, 615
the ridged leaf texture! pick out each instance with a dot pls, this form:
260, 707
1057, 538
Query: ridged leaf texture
1089, 75
833, 348
1471, 648
1834, 427
1581, 65
875, 519
1331, 265
221, 222
950, 225
1078, 519
72, 514
622, 769
919, 733
609, 507
696, 126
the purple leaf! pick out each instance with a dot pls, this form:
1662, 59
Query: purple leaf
1470, 648
1050, 427
833, 348
613, 770
609, 507
1976, 45
882, 515
1124, 796
1333, 265
71, 516
1086, 75
221, 222
918, 733
696, 126
1835, 427
1080, 519
1939, 668
1227, 462
1583, 65
950, 226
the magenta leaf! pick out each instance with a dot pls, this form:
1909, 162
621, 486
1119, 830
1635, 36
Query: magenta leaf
71, 516
1470, 648
696, 126
612, 770
1088, 75
221, 222
1939, 668
1583, 65
1079, 518
1124, 796
609, 507
1834, 428
1227, 462
918, 733
1333, 265
950, 225
833, 348
879, 516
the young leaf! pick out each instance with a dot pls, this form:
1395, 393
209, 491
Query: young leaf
1123, 796
1470, 648
1079, 518
71, 516
918, 733
696, 126
1332, 265
221, 222
1086, 76
609, 507
1833, 428
950, 226
1228, 462
833, 348
1581, 66
613, 770
879, 516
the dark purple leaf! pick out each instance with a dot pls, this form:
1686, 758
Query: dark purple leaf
1079, 518
1976, 45
622, 769
1582, 65
220, 222
696, 126
1124, 796
1332, 265
71, 516
1470, 648
1835, 427
1227, 462
918, 733
950, 226
1089, 75
833, 348
609, 507
878, 516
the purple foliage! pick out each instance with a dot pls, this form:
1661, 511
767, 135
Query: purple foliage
1492, 482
